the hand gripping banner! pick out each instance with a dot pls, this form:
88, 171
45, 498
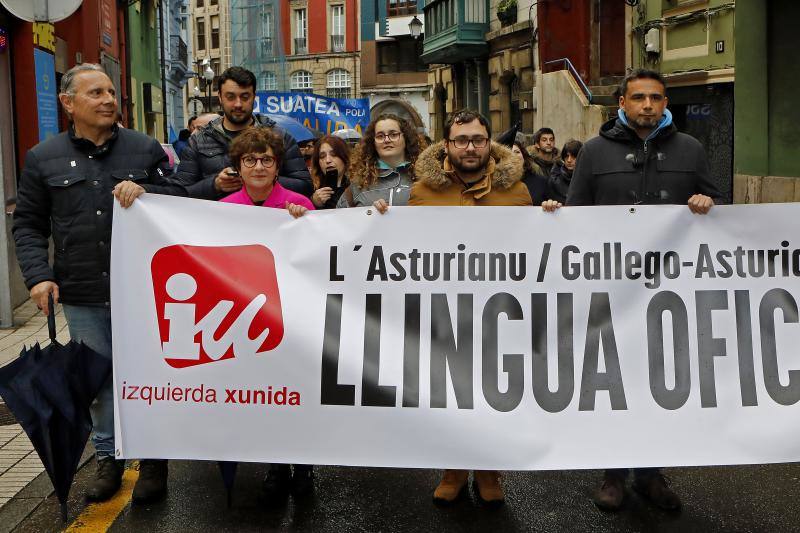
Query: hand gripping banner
485, 338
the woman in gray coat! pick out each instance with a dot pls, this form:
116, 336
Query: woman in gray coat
382, 165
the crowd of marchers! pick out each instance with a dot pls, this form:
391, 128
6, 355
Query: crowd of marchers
70, 181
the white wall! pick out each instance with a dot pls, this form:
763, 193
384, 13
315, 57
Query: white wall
418, 99
564, 108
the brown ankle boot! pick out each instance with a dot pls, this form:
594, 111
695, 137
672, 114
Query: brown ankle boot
611, 493
488, 487
451, 487
654, 487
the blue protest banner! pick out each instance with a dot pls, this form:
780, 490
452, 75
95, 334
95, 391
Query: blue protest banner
46, 101
314, 111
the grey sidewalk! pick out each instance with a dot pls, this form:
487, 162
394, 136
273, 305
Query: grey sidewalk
19, 464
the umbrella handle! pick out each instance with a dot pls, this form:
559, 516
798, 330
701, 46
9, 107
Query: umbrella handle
51, 317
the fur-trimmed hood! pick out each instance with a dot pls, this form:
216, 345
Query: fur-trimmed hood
503, 168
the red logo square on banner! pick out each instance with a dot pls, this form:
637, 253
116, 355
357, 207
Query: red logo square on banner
216, 302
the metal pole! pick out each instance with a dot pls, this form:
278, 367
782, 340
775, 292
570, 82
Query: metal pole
129, 88
6, 268
41, 10
6, 312
163, 71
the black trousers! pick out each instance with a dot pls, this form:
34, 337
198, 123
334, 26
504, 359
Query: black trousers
638, 472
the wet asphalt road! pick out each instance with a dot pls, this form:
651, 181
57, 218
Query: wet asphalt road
740, 499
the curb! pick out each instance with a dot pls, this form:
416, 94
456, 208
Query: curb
21, 506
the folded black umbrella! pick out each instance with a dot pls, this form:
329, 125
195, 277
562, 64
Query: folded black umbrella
49, 391
228, 471
507, 137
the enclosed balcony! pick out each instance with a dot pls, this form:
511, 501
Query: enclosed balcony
179, 55
455, 30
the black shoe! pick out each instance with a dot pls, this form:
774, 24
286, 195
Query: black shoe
654, 487
302, 480
277, 482
152, 484
610, 495
107, 479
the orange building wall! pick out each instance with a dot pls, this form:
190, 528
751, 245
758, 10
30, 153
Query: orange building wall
83, 34
317, 26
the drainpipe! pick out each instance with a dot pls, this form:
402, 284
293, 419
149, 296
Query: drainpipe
482, 106
128, 88
163, 66
534, 39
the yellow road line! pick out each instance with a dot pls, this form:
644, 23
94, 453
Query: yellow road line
99, 516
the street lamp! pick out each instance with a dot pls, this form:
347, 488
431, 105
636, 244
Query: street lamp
415, 27
208, 74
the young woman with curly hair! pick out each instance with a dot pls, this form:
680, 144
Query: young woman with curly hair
382, 165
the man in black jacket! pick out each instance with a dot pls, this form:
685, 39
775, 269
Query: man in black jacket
205, 168
66, 191
641, 158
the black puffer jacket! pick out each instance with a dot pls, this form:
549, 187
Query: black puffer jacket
207, 154
537, 187
65, 190
619, 168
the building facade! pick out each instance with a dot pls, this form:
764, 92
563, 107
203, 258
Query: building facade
394, 78
33, 57
524, 62
320, 38
211, 46
766, 136
174, 14
456, 50
511, 65
306, 46
692, 44
146, 105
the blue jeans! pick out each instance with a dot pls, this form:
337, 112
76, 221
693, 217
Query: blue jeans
92, 325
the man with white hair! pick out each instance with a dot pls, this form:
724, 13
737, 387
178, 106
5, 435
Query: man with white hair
66, 192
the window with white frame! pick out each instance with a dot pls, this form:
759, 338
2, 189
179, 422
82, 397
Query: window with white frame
200, 33
266, 43
338, 83
300, 31
269, 82
267, 18
215, 32
301, 82
337, 28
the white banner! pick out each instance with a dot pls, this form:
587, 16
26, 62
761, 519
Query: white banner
486, 338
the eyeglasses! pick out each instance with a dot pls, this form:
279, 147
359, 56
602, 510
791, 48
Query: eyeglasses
392, 136
250, 161
463, 141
